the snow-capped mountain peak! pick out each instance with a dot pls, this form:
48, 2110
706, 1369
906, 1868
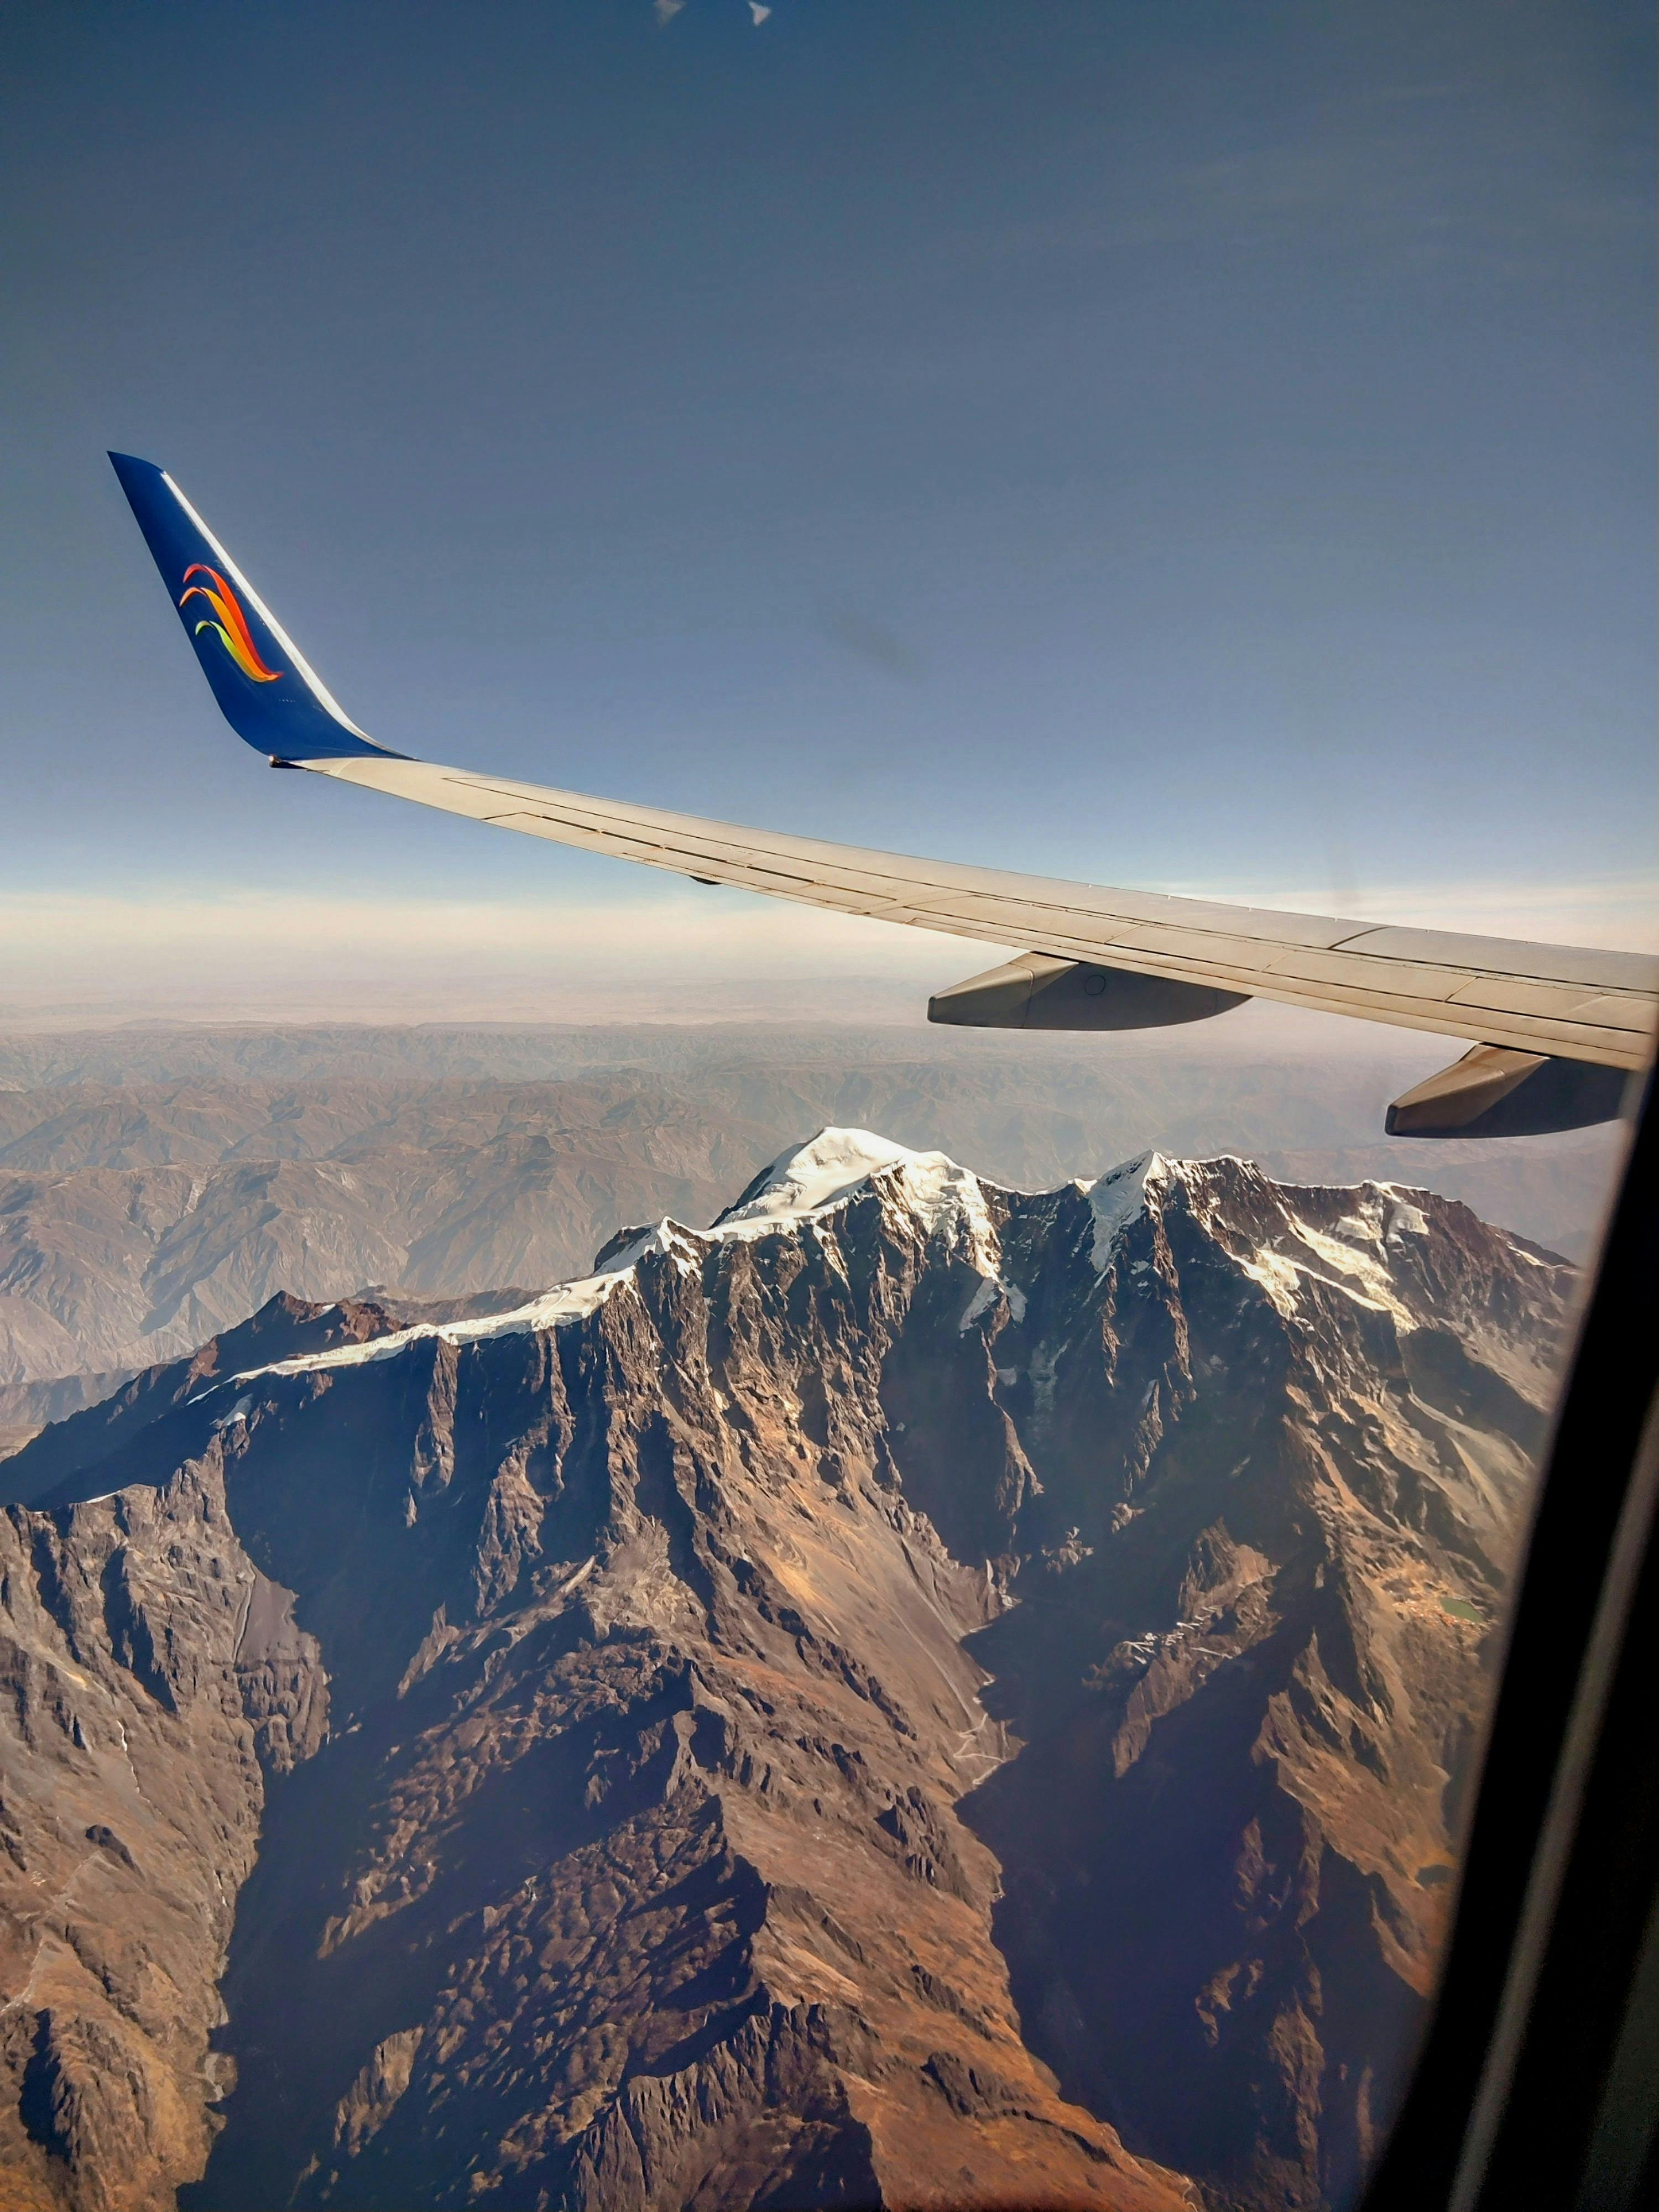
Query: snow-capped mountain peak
834, 1165
1117, 1196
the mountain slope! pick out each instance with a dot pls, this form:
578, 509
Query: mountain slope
1251, 1679
645, 1861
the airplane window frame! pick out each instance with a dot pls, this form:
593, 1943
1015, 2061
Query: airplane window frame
1536, 2079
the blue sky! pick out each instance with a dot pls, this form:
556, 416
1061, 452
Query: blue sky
1200, 446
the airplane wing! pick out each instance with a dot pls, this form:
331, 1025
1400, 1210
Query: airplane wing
1557, 1029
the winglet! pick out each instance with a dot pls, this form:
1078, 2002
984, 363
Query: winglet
264, 688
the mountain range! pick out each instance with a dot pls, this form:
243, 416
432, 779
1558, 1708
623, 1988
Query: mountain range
155, 1187
916, 1694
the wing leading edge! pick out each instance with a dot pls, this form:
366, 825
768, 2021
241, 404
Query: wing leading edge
1580, 1004
1195, 957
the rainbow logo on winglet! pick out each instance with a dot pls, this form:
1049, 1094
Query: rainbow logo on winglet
231, 629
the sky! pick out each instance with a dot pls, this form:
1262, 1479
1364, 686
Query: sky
1200, 446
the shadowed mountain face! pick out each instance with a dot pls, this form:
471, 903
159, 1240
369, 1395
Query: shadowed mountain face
919, 1695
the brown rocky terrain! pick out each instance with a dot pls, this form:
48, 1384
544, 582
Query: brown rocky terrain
889, 1700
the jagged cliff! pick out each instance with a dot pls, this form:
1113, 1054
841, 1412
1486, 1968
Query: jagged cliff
849, 1707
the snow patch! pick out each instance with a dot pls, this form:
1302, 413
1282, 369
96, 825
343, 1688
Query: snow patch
1405, 1220
1364, 1227
1369, 1281
1278, 1277
984, 1296
565, 1302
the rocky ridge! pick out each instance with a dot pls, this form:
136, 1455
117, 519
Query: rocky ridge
859, 1704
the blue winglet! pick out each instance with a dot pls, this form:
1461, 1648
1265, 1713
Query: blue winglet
265, 690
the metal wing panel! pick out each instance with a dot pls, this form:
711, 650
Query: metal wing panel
1631, 1011
1568, 1000
1510, 956
1521, 994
